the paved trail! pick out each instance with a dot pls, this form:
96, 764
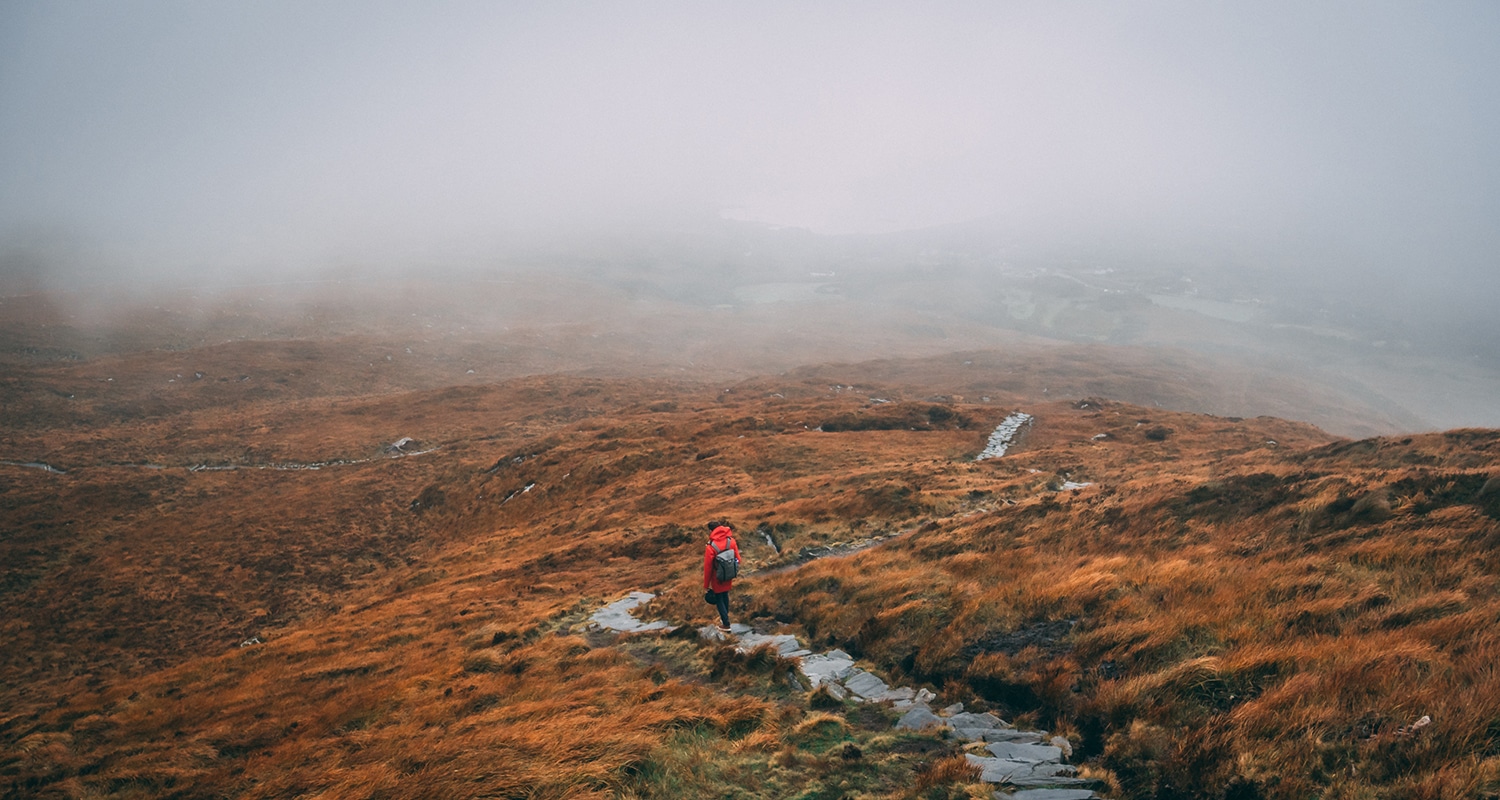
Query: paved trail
1028, 765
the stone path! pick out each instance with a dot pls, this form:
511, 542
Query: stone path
1027, 764
1004, 435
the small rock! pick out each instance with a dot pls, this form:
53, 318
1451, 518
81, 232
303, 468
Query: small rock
919, 718
840, 655
1062, 743
956, 708
924, 697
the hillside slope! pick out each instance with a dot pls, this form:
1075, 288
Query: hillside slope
1205, 606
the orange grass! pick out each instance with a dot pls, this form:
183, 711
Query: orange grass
1213, 617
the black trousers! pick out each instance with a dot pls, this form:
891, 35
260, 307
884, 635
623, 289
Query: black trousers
721, 601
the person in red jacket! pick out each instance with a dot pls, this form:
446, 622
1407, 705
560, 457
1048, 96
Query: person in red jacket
720, 538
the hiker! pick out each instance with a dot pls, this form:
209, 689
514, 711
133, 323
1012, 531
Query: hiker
719, 569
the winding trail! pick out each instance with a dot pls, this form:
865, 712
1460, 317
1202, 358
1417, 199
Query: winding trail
35, 465
1028, 765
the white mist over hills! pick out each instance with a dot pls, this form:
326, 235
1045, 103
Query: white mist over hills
1334, 162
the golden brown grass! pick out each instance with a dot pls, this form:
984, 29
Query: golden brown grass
1215, 616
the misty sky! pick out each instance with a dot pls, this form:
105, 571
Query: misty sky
215, 135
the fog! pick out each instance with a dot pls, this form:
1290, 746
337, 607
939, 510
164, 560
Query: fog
1339, 155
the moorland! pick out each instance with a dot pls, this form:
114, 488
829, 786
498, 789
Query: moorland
346, 544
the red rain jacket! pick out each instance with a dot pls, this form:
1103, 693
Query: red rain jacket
722, 537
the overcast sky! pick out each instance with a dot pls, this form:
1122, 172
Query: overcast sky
213, 134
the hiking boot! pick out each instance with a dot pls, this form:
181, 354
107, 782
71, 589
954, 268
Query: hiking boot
724, 629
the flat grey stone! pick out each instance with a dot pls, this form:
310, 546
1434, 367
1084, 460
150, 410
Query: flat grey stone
985, 720
999, 770
956, 708
798, 653
784, 643
1012, 735
821, 669
904, 693
995, 735
1054, 782
919, 718
840, 654
1031, 753
1048, 794
1048, 770
739, 629
866, 686
838, 692
618, 616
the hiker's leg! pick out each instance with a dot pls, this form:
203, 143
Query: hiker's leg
721, 599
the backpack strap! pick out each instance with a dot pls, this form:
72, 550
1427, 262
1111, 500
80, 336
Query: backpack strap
714, 546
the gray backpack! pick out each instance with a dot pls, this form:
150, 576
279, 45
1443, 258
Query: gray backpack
726, 563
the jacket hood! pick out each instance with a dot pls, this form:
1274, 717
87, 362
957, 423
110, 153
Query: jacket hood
720, 535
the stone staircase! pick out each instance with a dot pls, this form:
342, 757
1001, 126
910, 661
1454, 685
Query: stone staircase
1027, 765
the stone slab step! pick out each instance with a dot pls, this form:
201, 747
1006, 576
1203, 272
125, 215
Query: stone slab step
1048, 794
1019, 751
866, 686
996, 735
825, 668
618, 616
